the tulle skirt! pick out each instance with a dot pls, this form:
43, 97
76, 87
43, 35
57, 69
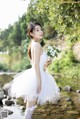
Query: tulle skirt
25, 85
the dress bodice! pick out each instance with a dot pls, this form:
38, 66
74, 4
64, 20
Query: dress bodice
43, 58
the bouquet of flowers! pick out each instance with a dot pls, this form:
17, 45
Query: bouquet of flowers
53, 51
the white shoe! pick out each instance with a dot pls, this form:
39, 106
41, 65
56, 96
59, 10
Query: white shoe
28, 114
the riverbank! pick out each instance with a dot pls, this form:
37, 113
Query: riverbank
68, 107
8, 73
64, 109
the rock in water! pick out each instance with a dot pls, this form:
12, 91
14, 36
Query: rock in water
68, 99
73, 112
78, 91
6, 87
67, 88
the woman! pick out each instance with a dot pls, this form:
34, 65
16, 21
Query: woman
35, 85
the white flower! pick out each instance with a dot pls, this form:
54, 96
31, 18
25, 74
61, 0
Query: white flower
52, 51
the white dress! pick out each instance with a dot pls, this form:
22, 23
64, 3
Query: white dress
25, 84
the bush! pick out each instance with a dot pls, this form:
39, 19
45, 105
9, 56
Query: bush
67, 66
68, 69
3, 67
67, 60
21, 65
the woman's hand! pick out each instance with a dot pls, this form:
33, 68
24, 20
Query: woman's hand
47, 63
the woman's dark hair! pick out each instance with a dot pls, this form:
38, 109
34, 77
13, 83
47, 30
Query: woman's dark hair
30, 29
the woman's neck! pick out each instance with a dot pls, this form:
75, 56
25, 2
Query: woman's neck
35, 40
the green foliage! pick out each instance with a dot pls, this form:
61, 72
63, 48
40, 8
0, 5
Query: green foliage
21, 65
49, 31
69, 69
62, 17
58, 18
3, 67
25, 44
70, 76
13, 35
67, 60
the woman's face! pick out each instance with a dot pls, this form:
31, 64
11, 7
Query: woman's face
37, 33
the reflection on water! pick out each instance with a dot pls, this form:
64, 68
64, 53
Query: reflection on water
17, 113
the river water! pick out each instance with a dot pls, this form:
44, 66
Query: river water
17, 111
69, 109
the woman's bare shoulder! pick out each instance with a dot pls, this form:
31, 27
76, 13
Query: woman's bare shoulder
36, 45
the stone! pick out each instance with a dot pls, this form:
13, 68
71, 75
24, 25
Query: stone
1, 96
67, 88
9, 111
6, 87
60, 89
7, 102
68, 99
5, 112
78, 91
73, 112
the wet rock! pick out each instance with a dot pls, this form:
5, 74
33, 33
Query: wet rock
21, 107
1, 96
78, 91
60, 88
6, 87
68, 99
1, 93
1, 103
9, 111
63, 107
5, 112
7, 102
67, 88
73, 112
70, 103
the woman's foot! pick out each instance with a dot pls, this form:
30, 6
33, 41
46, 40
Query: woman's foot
29, 112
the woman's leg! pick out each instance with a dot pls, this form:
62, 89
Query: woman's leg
30, 106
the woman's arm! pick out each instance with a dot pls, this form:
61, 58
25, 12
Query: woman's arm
47, 63
36, 60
